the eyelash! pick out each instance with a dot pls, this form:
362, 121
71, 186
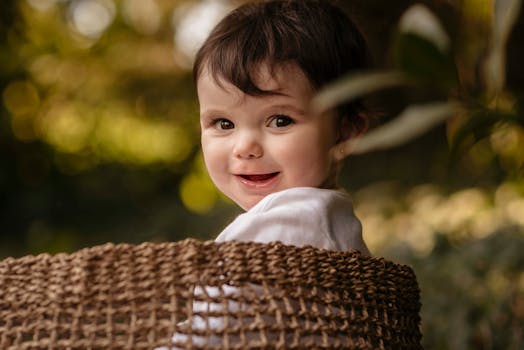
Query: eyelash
218, 122
276, 117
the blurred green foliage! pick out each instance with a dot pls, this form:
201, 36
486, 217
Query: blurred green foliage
472, 293
99, 142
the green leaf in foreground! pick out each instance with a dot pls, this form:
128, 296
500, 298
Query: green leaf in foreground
421, 21
506, 15
354, 86
422, 60
412, 122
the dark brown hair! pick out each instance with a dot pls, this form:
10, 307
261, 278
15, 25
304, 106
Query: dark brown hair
314, 34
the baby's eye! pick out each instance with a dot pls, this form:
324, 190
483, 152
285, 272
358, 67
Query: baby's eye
223, 124
280, 121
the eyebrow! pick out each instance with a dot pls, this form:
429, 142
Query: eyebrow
288, 106
212, 112
208, 113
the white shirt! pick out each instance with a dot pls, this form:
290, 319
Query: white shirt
300, 216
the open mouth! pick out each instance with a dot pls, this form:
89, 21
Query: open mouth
259, 177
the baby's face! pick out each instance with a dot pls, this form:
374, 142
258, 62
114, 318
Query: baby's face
257, 145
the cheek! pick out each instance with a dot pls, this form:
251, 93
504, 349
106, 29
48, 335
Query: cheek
305, 155
213, 158
315, 141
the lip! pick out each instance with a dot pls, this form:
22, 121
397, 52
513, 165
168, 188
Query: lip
258, 181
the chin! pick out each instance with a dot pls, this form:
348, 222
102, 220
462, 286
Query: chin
248, 204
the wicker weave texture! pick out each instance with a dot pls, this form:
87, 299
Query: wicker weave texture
230, 295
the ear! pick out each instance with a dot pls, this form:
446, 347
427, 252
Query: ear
348, 135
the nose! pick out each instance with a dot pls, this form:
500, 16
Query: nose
247, 146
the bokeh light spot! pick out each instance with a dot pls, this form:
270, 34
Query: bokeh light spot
427, 210
22, 100
42, 5
66, 129
23, 128
192, 26
121, 136
198, 193
21, 97
143, 15
92, 17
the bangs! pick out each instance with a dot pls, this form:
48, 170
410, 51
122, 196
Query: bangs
235, 53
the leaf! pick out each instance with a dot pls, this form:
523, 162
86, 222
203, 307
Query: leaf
354, 86
422, 47
506, 14
420, 21
412, 122
421, 59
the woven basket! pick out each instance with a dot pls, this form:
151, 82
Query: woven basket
257, 296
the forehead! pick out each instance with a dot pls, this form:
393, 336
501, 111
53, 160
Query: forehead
275, 79
278, 77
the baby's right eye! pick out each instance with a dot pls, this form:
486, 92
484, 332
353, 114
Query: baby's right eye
223, 124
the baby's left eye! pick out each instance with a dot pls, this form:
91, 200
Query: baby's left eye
280, 121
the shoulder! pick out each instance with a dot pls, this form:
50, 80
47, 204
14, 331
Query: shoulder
298, 216
304, 199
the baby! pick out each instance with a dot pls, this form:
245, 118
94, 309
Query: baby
263, 146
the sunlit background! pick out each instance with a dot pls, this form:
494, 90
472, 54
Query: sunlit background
99, 142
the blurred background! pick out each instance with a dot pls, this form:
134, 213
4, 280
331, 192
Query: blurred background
99, 142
